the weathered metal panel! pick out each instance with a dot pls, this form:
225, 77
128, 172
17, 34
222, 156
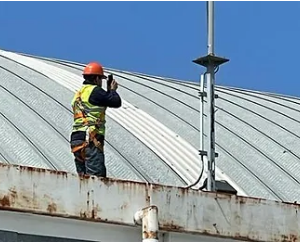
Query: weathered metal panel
225, 215
59, 193
34, 224
116, 201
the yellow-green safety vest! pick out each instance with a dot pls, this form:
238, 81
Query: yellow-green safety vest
87, 115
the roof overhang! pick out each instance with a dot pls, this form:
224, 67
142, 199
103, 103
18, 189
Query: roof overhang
104, 209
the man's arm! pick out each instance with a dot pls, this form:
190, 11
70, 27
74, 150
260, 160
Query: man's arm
100, 97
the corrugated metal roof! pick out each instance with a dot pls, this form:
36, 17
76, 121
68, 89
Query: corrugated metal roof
155, 135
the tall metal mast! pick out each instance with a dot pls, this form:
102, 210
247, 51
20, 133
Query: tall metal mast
210, 61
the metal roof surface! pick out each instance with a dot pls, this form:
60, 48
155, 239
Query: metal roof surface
154, 136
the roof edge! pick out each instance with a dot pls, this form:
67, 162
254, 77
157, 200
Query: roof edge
116, 201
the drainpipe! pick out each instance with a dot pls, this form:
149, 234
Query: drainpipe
148, 218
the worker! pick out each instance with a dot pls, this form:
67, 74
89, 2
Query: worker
89, 105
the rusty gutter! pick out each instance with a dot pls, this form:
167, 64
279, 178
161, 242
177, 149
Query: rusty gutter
114, 201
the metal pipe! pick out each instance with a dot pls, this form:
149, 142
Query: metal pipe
202, 112
148, 218
211, 101
210, 25
202, 80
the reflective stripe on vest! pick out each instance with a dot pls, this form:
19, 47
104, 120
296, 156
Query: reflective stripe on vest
87, 115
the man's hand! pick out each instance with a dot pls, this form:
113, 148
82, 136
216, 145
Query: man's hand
114, 85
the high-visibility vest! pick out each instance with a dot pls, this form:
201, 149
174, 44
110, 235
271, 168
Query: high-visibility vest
87, 117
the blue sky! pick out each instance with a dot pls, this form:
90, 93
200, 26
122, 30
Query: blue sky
261, 39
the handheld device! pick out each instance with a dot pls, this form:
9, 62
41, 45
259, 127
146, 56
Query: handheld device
109, 80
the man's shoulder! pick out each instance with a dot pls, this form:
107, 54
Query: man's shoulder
98, 96
98, 89
88, 87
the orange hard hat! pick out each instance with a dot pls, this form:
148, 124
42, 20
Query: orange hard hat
94, 68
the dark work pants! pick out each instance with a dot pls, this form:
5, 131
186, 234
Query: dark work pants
91, 161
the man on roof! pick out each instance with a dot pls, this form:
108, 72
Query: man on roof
89, 105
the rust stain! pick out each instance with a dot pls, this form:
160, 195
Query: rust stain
289, 238
172, 226
183, 191
284, 238
241, 200
94, 213
248, 200
88, 199
150, 235
155, 187
148, 198
83, 181
107, 181
168, 199
112, 181
12, 195
122, 183
84, 177
32, 169
52, 208
5, 202
26, 199
3, 165
16, 198
62, 173
13, 190
260, 201
91, 210
83, 215
293, 238
244, 238
38, 170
